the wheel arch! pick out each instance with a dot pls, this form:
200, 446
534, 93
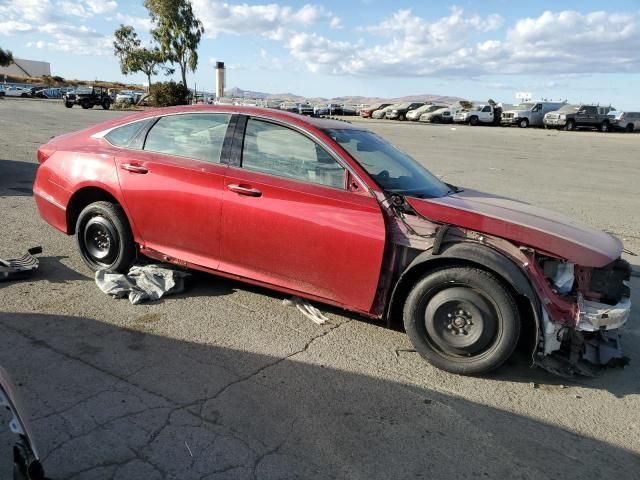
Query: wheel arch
83, 197
467, 254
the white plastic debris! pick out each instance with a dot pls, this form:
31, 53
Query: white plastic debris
308, 310
143, 282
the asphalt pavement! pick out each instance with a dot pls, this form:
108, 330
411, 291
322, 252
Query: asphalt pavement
225, 382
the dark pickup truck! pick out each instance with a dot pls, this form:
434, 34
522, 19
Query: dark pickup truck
572, 117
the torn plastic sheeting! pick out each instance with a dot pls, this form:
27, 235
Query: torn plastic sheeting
142, 283
308, 310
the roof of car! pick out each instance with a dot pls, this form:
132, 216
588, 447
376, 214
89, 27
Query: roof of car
318, 122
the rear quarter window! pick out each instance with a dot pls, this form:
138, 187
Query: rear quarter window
122, 136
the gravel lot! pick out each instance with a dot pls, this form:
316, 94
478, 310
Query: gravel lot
224, 382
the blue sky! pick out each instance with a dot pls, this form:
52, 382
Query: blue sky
576, 50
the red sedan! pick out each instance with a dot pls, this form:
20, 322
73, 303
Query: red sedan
331, 212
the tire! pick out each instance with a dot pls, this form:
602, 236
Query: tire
473, 121
401, 117
85, 105
570, 126
604, 127
524, 123
104, 237
106, 105
462, 320
24, 95
68, 104
629, 128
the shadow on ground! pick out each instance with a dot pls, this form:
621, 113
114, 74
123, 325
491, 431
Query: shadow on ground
157, 407
16, 178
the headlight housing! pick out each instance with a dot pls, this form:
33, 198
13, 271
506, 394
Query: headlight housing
562, 117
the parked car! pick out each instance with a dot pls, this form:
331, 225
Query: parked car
88, 97
367, 112
2, 91
26, 460
465, 271
382, 113
50, 93
321, 109
13, 91
289, 107
349, 110
305, 109
529, 114
399, 112
573, 117
624, 121
414, 115
441, 115
479, 114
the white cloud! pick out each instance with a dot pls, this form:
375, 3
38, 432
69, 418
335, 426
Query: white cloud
13, 27
268, 20
408, 45
139, 23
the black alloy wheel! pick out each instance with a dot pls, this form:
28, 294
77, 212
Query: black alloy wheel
462, 320
104, 237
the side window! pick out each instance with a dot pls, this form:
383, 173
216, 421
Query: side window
486, 109
195, 135
282, 152
537, 108
122, 136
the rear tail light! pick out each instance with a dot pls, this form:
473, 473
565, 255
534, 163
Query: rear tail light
45, 152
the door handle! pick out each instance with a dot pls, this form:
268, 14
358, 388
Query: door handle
129, 167
248, 191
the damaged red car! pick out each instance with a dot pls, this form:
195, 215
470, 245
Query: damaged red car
331, 212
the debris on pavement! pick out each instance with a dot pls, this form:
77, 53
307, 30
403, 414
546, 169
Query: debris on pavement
308, 310
22, 267
142, 283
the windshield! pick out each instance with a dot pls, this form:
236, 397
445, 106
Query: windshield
569, 108
524, 106
393, 170
83, 90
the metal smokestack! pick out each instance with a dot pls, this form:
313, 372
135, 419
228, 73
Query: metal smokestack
220, 79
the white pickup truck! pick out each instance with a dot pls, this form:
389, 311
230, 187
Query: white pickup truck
481, 113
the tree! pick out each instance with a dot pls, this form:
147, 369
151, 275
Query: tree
178, 32
133, 56
6, 58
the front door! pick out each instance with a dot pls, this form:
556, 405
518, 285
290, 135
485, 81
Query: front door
288, 220
173, 186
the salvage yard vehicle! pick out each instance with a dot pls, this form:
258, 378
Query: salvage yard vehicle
88, 97
479, 114
625, 121
13, 91
415, 114
441, 115
326, 210
573, 117
399, 112
368, 111
382, 113
529, 114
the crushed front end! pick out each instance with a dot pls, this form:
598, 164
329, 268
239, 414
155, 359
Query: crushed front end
583, 310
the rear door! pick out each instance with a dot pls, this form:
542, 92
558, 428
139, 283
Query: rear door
172, 181
289, 220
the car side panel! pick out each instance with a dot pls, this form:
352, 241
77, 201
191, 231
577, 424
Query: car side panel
320, 241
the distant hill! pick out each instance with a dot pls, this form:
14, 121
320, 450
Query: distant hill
236, 92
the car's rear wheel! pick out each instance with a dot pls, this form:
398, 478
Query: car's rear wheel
68, 104
104, 237
86, 105
473, 121
604, 126
106, 104
462, 320
629, 128
523, 123
570, 125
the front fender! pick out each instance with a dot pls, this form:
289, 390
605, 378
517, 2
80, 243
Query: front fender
469, 253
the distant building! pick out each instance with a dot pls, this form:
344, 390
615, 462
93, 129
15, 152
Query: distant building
26, 68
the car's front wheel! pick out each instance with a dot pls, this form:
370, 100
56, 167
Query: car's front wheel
68, 104
106, 104
104, 237
604, 126
523, 123
473, 121
462, 320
